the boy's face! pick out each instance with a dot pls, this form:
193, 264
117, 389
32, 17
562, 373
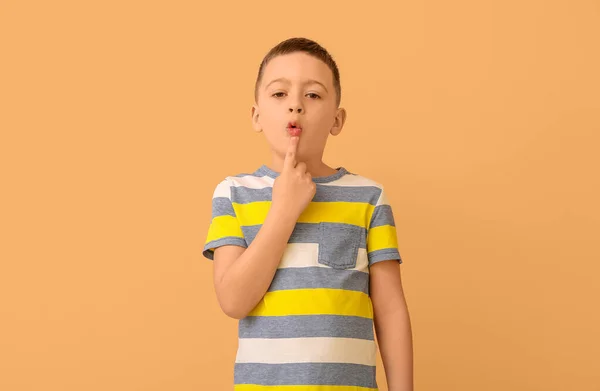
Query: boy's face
290, 91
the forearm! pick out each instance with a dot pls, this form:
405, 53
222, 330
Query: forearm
248, 278
394, 336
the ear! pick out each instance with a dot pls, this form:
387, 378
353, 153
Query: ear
255, 120
340, 120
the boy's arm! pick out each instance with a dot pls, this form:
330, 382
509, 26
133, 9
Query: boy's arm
392, 324
243, 275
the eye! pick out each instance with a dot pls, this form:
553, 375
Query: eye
312, 93
277, 93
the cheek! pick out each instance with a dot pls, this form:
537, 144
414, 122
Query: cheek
268, 119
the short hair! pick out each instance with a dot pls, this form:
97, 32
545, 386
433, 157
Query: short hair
300, 44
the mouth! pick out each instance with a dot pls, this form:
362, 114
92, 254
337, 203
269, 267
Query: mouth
294, 128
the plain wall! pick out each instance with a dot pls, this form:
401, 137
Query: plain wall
118, 119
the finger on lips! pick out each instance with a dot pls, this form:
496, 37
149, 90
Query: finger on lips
290, 156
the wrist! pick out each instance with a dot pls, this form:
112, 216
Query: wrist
282, 214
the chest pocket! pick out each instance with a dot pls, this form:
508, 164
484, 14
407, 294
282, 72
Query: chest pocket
339, 243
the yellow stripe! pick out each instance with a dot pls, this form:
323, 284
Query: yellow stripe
320, 301
224, 226
252, 213
254, 387
357, 213
382, 237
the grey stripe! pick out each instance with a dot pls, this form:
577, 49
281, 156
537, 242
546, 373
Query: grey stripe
221, 242
382, 215
305, 374
319, 277
324, 193
302, 233
384, 254
222, 206
306, 326
245, 195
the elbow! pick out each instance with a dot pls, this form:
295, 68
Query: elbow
233, 313
233, 304
232, 310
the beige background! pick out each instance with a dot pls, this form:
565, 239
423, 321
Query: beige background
118, 119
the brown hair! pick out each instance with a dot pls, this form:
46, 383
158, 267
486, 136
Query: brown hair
305, 45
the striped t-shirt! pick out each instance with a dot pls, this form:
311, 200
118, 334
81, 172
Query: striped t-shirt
313, 329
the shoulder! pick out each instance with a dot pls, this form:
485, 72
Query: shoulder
362, 180
249, 180
243, 181
366, 185
354, 178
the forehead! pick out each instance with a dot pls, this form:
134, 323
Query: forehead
298, 67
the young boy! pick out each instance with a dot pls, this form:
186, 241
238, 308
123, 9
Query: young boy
306, 256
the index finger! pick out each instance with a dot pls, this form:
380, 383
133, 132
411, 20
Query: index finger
290, 155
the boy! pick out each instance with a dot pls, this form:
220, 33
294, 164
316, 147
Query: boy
306, 256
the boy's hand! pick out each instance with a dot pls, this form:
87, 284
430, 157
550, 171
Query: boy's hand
293, 189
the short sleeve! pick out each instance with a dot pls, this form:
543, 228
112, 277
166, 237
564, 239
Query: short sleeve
224, 227
382, 242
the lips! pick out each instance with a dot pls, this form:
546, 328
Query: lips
294, 128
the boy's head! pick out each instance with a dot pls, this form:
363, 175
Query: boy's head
299, 81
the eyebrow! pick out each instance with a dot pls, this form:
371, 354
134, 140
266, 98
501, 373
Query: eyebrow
309, 81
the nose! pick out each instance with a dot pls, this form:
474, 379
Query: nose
295, 103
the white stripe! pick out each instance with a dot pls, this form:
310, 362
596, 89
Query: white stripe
222, 189
306, 255
382, 199
297, 350
352, 180
254, 182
